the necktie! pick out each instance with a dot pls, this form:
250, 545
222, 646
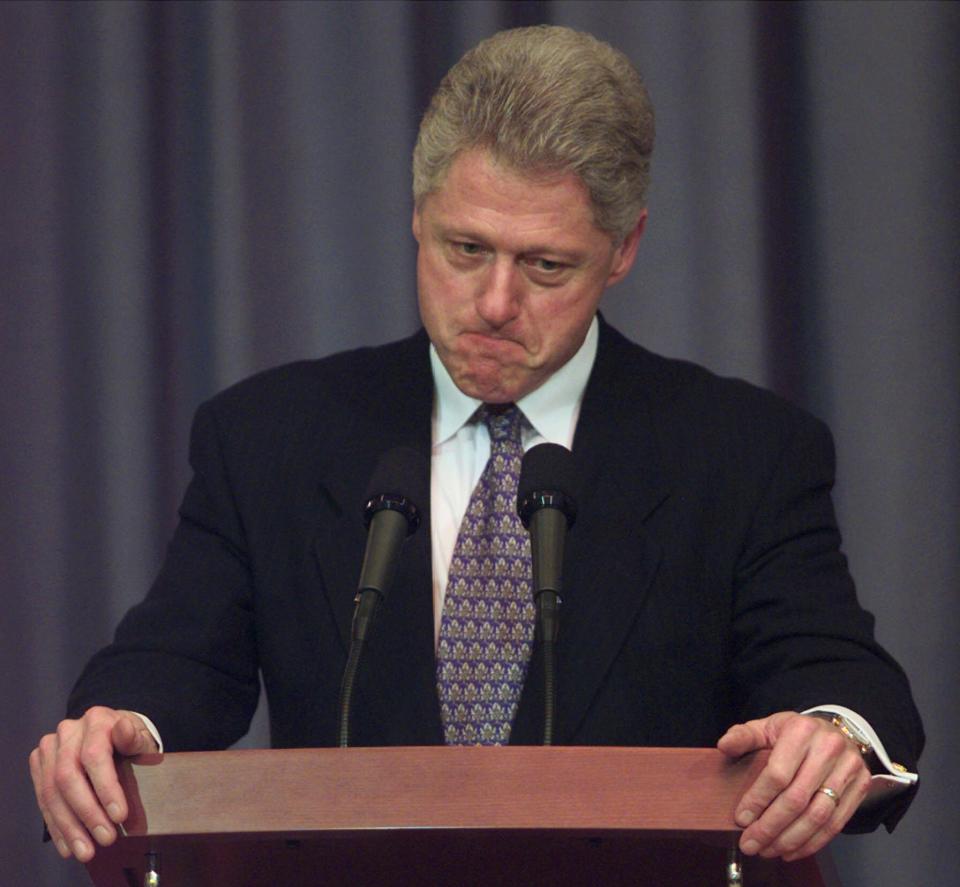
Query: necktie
486, 631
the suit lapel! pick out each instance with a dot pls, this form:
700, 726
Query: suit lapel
395, 697
610, 560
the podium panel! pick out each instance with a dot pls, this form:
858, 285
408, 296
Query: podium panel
436, 816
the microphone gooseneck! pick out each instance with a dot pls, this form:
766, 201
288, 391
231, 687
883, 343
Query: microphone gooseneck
547, 509
390, 516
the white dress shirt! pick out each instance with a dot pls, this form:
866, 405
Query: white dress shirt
461, 448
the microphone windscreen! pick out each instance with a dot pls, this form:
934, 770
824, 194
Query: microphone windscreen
547, 467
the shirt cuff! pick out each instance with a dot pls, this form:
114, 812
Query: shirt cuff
897, 778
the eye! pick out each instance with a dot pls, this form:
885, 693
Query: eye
468, 248
545, 266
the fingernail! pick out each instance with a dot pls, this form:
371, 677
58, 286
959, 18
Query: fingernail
80, 849
63, 848
750, 847
744, 818
113, 811
102, 834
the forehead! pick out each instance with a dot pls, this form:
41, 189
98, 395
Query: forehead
492, 197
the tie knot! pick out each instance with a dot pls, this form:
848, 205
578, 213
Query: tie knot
502, 423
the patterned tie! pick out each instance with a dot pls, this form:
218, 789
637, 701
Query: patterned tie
486, 633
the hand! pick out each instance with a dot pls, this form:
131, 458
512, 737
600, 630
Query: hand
75, 778
784, 813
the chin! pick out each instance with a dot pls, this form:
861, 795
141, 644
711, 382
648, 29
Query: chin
491, 381
485, 388
494, 390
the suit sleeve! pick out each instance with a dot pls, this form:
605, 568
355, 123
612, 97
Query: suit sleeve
800, 636
186, 656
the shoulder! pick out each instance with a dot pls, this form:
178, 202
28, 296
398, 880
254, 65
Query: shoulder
689, 405
341, 378
314, 406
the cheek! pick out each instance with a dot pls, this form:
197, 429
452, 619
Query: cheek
439, 306
429, 285
444, 292
560, 327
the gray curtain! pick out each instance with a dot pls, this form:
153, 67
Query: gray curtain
192, 192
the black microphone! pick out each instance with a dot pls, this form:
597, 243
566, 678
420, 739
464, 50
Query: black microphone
390, 516
548, 509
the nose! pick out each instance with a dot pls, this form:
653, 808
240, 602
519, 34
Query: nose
499, 294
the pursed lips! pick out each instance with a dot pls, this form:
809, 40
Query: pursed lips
491, 341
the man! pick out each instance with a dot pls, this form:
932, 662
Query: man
707, 600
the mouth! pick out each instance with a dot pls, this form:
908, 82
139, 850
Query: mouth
490, 342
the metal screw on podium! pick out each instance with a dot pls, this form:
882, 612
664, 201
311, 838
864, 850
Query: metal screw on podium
152, 877
734, 868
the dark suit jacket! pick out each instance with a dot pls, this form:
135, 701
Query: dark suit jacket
704, 581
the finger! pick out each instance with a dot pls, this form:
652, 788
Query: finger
824, 819
823, 837
69, 833
127, 736
849, 804
785, 761
37, 776
81, 750
801, 809
97, 760
66, 830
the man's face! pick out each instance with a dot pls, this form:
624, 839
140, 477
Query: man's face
510, 272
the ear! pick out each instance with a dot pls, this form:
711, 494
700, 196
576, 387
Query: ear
416, 224
625, 254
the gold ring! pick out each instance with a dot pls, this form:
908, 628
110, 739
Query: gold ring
830, 793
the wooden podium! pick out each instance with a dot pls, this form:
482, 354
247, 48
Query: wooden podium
437, 816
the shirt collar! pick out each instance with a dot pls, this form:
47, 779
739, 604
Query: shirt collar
549, 409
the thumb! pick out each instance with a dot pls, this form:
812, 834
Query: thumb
741, 738
752, 735
130, 736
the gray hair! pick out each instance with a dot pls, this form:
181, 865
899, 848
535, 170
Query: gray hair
546, 99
